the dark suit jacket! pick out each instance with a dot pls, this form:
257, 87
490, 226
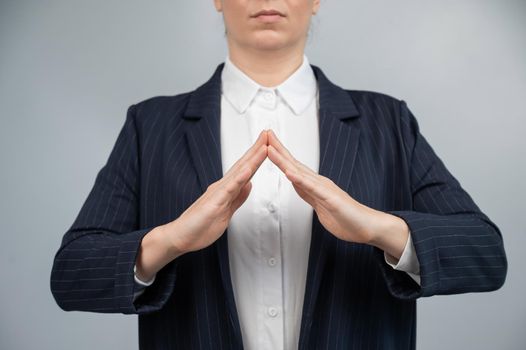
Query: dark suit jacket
166, 155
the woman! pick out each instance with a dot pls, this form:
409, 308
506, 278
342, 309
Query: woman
331, 239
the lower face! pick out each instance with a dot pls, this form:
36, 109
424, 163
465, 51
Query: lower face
267, 32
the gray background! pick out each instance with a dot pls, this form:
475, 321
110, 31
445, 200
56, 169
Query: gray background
69, 69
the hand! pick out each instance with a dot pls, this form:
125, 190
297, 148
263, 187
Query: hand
206, 219
337, 211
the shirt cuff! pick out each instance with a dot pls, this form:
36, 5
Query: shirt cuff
408, 261
143, 283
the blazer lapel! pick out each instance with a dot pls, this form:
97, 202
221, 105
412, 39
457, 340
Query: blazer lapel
338, 146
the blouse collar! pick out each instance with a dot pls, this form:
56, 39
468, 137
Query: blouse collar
297, 90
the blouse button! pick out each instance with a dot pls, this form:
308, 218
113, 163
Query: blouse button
272, 311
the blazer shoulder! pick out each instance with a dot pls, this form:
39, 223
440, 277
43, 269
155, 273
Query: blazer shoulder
379, 107
368, 98
160, 102
162, 106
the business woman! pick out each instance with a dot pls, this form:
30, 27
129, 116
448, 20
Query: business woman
272, 209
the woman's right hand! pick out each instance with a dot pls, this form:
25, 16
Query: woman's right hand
203, 222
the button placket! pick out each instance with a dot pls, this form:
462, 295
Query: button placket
265, 116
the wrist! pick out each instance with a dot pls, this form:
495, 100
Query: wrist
172, 236
390, 235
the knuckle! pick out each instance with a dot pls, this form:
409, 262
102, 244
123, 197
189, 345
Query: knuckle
244, 170
229, 189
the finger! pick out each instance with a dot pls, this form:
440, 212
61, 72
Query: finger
242, 171
304, 195
313, 187
287, 166
233, 184
281, 161
253, 164
261, 140
242, 197
276, 143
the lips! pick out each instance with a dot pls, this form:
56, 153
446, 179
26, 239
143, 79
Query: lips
271, 12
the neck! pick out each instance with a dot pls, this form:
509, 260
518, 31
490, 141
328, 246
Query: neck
265, 67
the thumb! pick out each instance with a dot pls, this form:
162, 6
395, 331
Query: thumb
242, 196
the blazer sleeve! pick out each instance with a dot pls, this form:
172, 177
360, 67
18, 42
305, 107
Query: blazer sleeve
458, 247
93, 269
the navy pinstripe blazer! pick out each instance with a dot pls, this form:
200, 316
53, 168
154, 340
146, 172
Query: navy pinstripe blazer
166, 155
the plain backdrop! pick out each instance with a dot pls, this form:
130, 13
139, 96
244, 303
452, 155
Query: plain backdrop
69, 70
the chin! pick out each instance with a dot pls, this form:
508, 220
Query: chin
268, 41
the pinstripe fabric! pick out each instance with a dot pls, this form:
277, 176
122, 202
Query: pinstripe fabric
166, 155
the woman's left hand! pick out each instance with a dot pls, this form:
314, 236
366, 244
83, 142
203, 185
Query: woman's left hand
337, 211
